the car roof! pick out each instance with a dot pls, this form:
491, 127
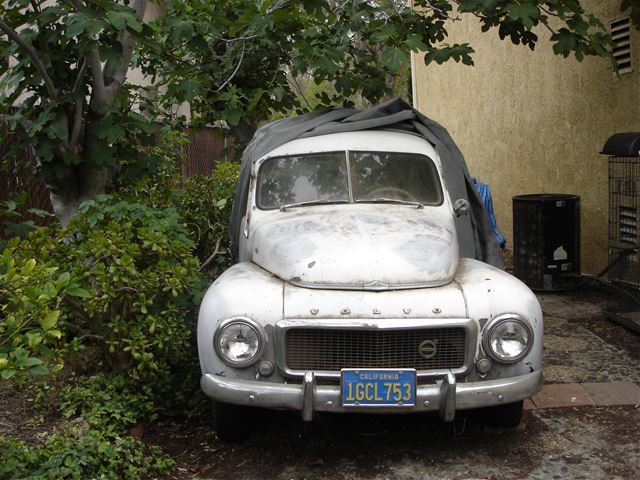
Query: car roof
363, 140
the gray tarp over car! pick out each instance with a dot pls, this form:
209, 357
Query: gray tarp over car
475, 236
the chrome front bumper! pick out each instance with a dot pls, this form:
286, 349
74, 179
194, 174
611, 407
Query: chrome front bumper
445, 396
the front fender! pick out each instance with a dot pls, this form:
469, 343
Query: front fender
243, 290
490, 292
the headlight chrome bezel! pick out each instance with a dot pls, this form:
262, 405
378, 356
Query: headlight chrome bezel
251, 323
487, 331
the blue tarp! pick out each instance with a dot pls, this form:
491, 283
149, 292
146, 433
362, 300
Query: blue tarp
485, 195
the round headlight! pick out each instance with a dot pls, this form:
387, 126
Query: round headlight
238, 342
508, 340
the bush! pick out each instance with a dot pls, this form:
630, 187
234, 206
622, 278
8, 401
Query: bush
76, 452
30, 302
111, 403
94, 442
134, 276
204, 204
123, 280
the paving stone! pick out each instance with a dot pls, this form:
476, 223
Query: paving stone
561, 395
613, 393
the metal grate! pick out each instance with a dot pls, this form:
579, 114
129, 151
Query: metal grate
334, 349
620, 30
624, 238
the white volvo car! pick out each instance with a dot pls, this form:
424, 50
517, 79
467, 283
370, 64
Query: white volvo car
350, 295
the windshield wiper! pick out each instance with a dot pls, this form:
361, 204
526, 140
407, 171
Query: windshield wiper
310, 202
418, 205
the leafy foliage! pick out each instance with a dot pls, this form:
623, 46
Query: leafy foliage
112, 403
12, 214
240, 61
634, 9
94, 442
30, 309
133, 272
205, 206
64, 91
76, 453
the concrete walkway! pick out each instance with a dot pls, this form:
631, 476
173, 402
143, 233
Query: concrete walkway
561, 395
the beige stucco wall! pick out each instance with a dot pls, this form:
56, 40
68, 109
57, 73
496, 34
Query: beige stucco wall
532, 122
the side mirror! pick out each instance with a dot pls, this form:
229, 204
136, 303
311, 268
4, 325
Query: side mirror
460, 207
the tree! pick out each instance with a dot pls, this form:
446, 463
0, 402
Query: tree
65, 94
238, 61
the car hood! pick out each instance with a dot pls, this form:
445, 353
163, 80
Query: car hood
385, 247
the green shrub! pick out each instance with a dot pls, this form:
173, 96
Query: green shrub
112, 403
204, 203
134, 277
93, 442
12, 217
79, 453
30, 302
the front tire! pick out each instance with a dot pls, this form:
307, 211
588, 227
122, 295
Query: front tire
232, 423
501, 416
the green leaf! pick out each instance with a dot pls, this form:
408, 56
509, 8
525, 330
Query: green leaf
55, 334
50, 320
117, 19
75, 25
39, 370
28, 362
415, 43
28, 267
76, 291
524, 12
34, 339
62, 280
8, 373
190, 88
394, 58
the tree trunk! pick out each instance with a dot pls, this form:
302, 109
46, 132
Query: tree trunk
83, 183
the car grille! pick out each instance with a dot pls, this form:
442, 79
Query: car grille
334, 349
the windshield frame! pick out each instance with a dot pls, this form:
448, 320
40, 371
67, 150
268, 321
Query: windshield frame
351, 200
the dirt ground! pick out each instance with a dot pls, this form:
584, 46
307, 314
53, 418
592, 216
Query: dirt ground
573, 443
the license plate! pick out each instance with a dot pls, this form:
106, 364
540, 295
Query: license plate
378, 388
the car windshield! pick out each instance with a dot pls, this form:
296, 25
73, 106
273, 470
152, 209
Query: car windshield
319, 178
380, 176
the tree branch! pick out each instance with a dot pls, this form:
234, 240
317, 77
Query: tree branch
206, 263
77, 83
115, 76
98, 93
79, 103
224, 84
77, 121
35, 58
441, 13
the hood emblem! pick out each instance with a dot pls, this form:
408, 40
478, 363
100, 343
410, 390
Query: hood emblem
345, 311
376, 311
407, 311
428, 349
376, 285
314, 311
